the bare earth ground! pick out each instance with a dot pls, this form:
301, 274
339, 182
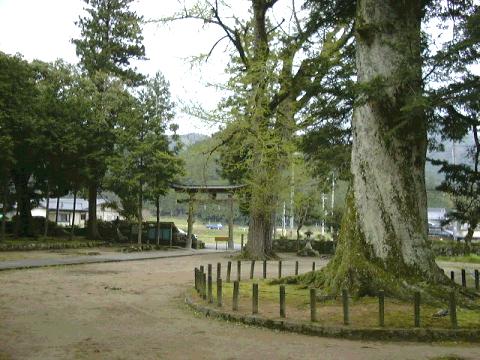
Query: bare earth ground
135, 310
61, 253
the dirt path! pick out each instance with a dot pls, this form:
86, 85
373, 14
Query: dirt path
134, 310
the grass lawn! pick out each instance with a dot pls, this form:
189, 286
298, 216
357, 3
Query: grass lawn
208, 235
363, 312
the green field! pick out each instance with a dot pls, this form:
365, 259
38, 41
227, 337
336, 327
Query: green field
208, 235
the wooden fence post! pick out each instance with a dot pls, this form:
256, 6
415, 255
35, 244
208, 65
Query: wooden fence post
453, 310
477, 280
313, 305
204, 286
464, 278
255, 298
209, 270
280, 269
282, 301
196, 278
235, 295
417, 309
241, 244
296, 268
210, 294
381, 308
219, 292
313, 266
252, 268
239, 270
219, 270
229, 271
264, 269
346, 315
452, 276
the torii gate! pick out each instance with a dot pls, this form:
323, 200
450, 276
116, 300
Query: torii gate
212, 190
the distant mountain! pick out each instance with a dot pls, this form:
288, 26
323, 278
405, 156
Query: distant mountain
433, 178
459, 150
192, 138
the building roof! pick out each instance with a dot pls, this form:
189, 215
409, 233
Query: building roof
67, 204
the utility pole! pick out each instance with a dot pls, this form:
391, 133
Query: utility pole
323, 214
333, 199
455, 223
292, 195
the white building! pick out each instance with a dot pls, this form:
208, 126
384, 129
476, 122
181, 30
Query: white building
65, 211
437, 215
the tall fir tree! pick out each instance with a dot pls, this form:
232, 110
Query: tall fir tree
111, 37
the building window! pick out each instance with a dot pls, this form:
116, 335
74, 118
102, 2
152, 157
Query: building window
83, 216
63, 218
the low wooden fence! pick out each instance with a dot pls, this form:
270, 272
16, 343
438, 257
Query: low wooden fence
203, 282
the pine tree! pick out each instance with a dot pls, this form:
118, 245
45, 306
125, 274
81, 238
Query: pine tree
110, 38
457, 115
143, 165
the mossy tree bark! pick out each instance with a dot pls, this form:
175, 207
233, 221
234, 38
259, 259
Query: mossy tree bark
383, 239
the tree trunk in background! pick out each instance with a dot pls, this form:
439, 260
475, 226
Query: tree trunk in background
56, 210
157, 233
468, 238
140, 217
16, 224
24, 206
383, 239
72, 229
188, 244
92, 229
4, 211
47, 211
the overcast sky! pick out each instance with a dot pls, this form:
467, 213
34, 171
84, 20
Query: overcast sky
42, 29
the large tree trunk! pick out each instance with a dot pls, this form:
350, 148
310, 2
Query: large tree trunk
383, 239
92, 229
262, 208
259, 244
390, 143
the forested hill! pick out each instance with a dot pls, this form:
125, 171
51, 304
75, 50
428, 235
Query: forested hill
192, 138
200, 166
